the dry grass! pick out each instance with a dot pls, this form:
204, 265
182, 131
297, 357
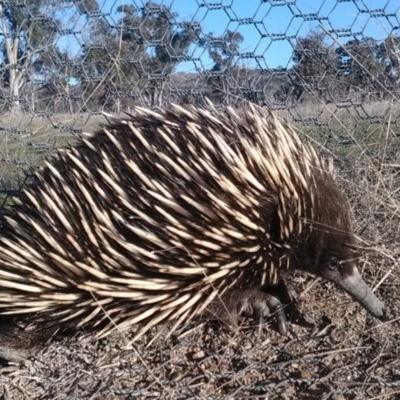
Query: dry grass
341, 354
25, 141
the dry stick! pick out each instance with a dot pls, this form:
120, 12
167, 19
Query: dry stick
385, 277
391, 321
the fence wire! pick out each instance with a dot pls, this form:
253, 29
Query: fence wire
332, 68
329, 65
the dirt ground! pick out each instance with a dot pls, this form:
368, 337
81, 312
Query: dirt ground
341, 353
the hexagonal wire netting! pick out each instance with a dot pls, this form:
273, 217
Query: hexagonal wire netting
330, 67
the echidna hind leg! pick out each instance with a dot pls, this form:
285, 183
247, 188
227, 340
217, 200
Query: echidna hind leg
16, 342
12, 354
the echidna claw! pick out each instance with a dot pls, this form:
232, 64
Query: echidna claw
277, 308
258, 316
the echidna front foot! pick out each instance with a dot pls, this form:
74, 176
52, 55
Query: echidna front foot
258, 303
274, 307
273, 301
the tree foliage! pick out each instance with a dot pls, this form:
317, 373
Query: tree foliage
223, 51
360, 66
141, 51
315, 65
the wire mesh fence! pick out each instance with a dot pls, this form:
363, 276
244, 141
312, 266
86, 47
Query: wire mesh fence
330, 67
330, 64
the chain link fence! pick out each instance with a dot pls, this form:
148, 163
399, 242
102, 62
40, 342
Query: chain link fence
330, 67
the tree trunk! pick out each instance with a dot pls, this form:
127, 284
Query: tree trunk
17, 67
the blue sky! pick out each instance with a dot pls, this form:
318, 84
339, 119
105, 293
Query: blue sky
278, 22
289, 18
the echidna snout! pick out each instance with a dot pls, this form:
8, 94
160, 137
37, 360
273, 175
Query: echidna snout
348, 278
360, 291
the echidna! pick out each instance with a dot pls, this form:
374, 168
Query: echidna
157, 216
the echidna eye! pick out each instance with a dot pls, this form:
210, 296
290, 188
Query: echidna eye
333, 263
